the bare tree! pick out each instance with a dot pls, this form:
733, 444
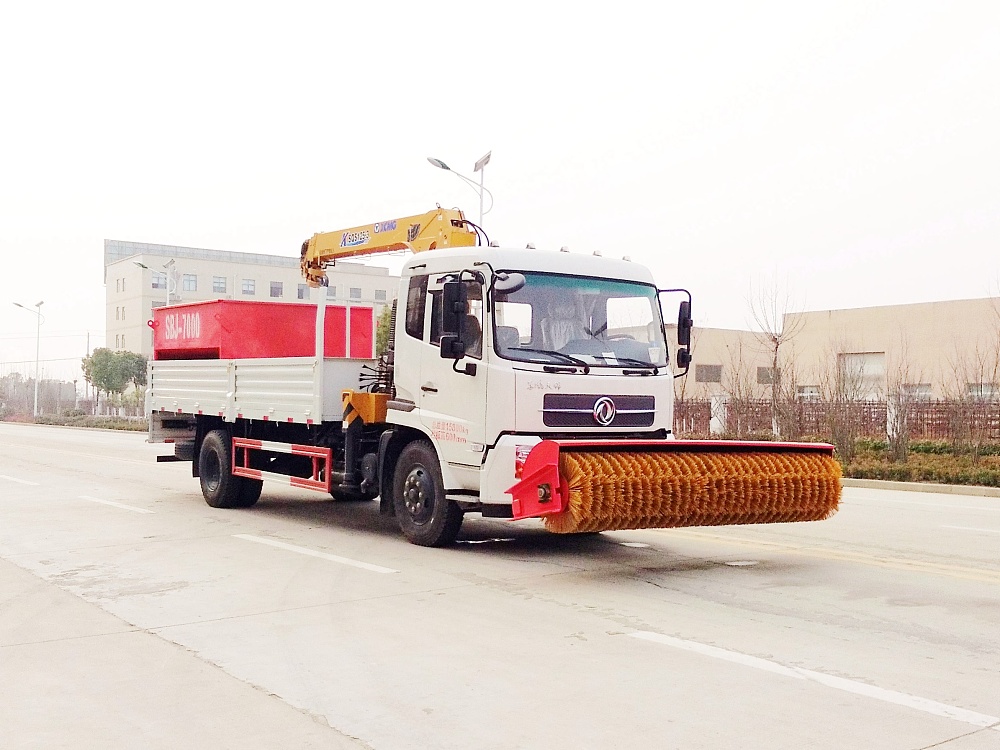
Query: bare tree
843, 388
973, 397
776, 320
902, 392
739, 383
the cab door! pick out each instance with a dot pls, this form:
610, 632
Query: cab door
453, 394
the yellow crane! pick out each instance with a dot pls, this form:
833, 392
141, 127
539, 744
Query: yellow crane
442, 227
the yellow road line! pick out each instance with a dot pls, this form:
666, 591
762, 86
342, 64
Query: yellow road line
825, 553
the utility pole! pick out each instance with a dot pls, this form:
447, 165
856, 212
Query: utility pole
38, 341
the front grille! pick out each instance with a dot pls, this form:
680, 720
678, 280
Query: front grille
577, 410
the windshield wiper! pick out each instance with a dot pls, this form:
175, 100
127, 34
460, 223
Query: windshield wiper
567, 357
638, 363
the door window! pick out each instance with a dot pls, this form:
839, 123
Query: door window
416, 297
472, 330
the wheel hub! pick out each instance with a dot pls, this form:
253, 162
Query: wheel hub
418, 495
213, 472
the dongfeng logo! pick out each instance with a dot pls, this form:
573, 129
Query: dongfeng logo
604, 411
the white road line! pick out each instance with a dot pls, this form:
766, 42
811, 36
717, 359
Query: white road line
969, 528
838, 683
114, 504
314, 553
940, 506
19, 481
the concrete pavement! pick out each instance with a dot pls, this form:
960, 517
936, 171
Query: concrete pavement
74, 676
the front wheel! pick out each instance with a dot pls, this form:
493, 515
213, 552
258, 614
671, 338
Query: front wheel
425, 515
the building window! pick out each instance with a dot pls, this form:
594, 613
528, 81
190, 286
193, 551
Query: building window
380, 295
123, 312
355, 292
276, 288
807, 392
303, 291
118, 285
159, 280
219, 284
767, 375
917, 391
983, 391
123, 285
861, 375
708, 373
189, 282
117, 312
249, 286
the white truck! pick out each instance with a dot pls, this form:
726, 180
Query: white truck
518, 383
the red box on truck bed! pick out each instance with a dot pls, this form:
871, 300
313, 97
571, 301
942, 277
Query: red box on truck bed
235, 329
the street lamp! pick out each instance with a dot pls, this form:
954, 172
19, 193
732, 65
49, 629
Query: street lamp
38, 338
167, 266
481, 168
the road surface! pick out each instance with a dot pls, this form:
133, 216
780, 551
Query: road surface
134, 615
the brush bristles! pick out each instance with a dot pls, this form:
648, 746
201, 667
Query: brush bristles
623, 490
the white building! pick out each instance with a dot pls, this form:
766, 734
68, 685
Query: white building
138, 277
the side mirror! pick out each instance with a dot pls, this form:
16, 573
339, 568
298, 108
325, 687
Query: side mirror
452, 347
453, 303
683, 357
508, 283
684, 324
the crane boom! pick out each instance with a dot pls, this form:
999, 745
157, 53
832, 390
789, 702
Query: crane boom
442, 227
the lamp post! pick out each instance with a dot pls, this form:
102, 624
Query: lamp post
480, 188
38, 338
168, 265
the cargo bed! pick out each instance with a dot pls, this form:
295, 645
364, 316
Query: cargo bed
301, 390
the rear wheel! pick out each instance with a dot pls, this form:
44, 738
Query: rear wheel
220, 488
425, 515
250, 490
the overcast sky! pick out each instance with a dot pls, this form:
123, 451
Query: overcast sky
847, 150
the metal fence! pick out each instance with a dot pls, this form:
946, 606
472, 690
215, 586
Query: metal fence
922, 420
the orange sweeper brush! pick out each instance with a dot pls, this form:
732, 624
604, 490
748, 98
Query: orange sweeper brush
603, 485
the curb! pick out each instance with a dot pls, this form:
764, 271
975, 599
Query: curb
941, 489
76, 427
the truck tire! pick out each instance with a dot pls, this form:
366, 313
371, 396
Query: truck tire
250, 490
425, 515
220, 488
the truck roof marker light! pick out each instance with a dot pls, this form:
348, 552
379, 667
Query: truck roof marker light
597, 253
530, 246
564, 249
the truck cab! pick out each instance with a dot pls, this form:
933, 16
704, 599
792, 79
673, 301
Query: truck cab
496, 350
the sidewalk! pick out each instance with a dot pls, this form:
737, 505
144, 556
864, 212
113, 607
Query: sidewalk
74, 676
941, 489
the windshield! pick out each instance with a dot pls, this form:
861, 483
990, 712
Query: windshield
559, 319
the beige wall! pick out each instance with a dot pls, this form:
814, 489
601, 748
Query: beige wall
932, 349
732, 355
936, 348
